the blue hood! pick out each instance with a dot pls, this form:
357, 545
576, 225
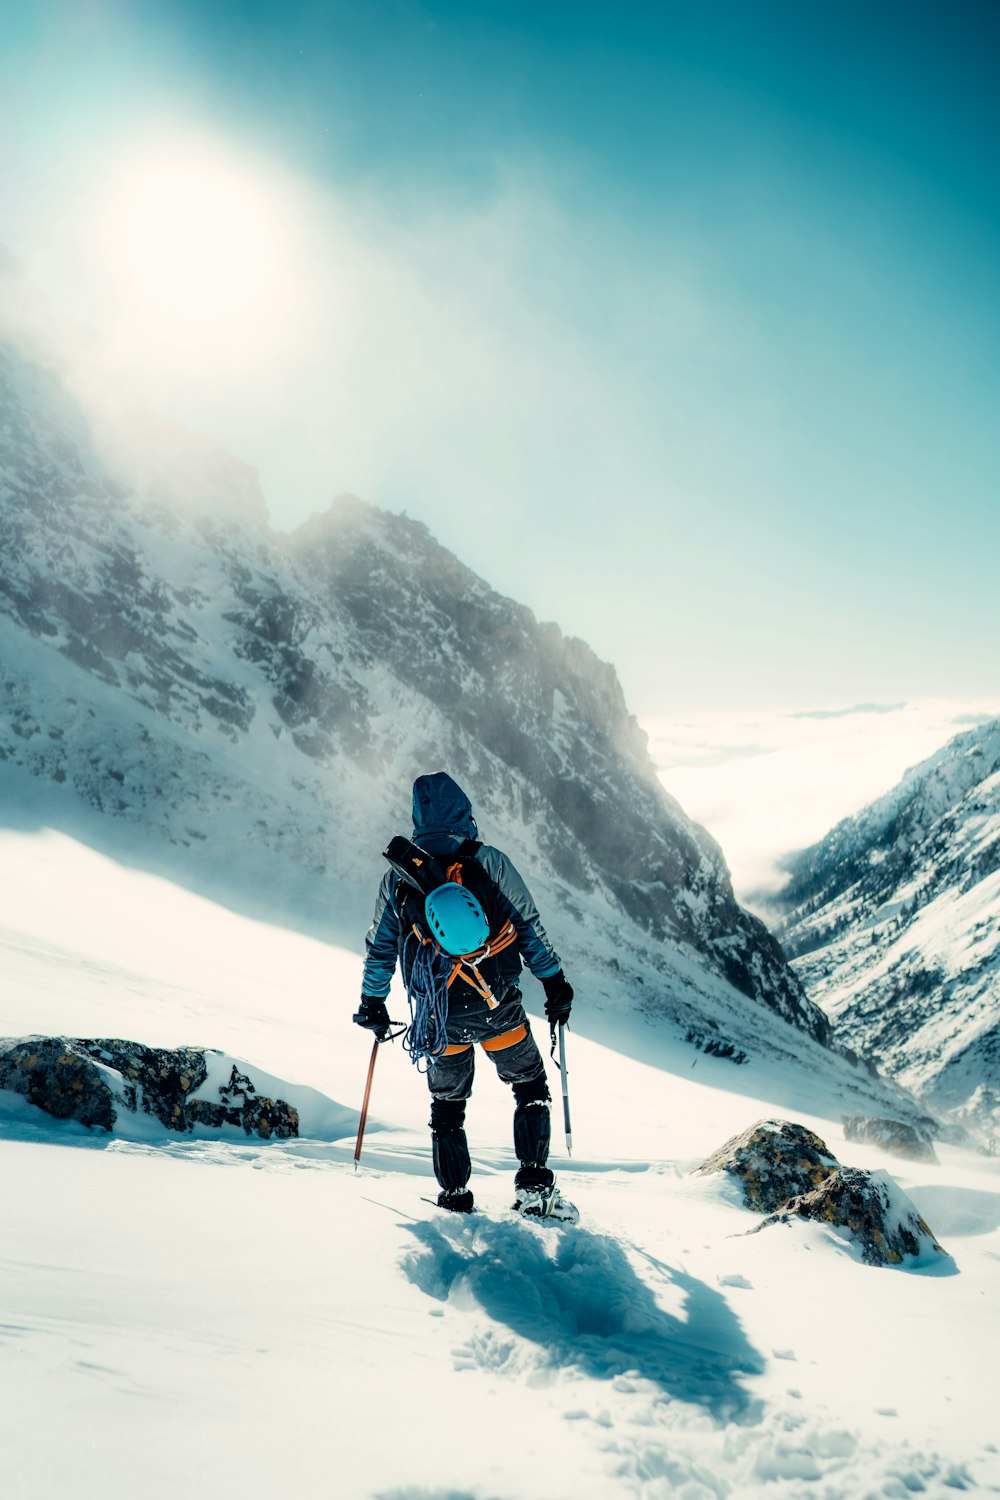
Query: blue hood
442, 813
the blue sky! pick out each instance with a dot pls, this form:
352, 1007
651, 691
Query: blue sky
677, 322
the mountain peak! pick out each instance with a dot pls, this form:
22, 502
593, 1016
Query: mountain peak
894, 921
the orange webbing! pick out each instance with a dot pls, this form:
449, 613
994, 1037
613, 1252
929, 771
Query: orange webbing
495, 1043
505, 1039
505, 937
472, 977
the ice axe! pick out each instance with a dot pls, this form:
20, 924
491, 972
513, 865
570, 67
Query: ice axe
387, 1036
565, 1083
364, 1107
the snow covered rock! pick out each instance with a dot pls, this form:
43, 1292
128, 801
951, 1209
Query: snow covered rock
897, 1136
57, 1077
788, 1171
893, 922
774, 1161
880, 1219
239, 1103
154, 1081
95, 1082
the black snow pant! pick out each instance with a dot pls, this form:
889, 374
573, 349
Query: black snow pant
515, 1055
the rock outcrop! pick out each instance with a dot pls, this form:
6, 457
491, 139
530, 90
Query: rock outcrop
895, 1136
773, 1160
880, 1219
59, 1078
102, 1083
787, 1171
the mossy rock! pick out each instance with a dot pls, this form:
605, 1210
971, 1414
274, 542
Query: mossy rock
883, 1223
774, 1160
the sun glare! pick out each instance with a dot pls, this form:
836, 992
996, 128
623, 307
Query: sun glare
198, 249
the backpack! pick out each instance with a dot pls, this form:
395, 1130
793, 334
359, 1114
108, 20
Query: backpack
428, 971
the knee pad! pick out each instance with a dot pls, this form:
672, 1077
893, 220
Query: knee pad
535, 1091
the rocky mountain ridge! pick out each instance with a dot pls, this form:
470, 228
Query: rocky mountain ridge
254, 707
893, 921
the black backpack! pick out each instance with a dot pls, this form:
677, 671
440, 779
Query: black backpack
428, 972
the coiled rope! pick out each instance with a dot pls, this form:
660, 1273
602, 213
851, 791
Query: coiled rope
431, 976
427, 1034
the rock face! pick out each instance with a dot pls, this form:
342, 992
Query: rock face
97, 1082
253, 709
896, 1136
880, 1219
894, 924
787, 1171
774, 1160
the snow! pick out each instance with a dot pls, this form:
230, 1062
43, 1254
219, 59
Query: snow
256, 1317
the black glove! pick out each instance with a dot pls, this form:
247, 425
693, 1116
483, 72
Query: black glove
373, 1016
558, 999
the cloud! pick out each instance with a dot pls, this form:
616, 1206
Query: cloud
764, 785
846, 713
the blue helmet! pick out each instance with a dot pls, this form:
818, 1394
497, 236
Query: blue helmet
456, 919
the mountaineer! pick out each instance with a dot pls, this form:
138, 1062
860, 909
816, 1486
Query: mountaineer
459, 919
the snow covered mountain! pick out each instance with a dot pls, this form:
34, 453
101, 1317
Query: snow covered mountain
894, 922
246, 711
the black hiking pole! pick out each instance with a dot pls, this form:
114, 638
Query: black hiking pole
565, 1089
364, 1107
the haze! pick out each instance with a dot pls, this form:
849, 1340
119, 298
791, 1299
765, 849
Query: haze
677, 324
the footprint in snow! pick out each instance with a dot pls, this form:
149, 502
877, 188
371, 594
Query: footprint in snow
576, 1302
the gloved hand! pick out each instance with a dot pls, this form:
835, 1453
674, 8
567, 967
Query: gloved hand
373, 1016
558, 999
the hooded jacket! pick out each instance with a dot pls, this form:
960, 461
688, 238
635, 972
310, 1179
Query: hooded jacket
442, 822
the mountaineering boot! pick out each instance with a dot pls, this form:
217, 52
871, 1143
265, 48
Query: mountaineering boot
544, 1203
537, 1197
457, 1200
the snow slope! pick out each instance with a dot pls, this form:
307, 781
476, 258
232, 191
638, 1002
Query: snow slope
894, 919
255, 1317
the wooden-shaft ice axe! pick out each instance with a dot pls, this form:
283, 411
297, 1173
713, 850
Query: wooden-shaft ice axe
364, 1107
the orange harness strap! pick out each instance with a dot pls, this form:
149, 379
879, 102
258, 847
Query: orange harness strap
495, 1043
466, 966
505, 1039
